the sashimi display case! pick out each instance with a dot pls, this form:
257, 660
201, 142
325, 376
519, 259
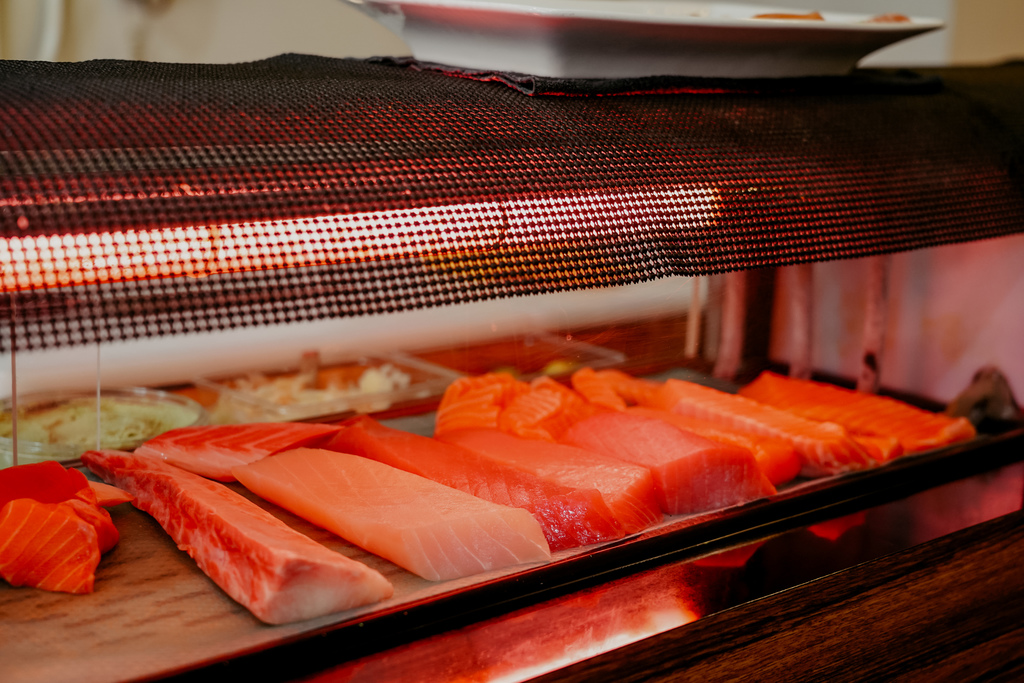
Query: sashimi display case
479, 376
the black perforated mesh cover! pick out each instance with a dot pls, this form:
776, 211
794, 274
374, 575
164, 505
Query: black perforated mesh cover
141, 199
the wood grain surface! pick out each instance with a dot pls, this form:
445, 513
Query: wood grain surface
948, 610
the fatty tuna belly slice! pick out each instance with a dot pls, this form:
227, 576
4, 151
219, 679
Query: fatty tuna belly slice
570, 517
825, 448
212, 450
275, 572
427, 528
691, 473
628, 489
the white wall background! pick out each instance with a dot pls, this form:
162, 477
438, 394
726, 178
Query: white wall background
953, 308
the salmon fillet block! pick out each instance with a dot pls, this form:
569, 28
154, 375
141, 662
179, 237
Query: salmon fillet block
628, 489
570, 516
776, 457
429, 529
275, 572
691, 474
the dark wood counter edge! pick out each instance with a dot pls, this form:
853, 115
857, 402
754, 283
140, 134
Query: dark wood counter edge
313, 651
950, 609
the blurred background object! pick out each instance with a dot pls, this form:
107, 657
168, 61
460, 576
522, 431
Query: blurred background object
217, 31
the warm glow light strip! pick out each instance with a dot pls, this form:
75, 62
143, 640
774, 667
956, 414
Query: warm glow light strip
37, 262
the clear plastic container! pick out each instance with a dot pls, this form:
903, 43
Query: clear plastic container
365, 385
62, 425
526, 357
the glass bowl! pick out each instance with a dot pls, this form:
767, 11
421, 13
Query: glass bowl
62, 425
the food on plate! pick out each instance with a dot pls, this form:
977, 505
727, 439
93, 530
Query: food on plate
825, 448
212, 450
809, 16
52, 528
627, 489
881, 448
47, 546
570, 517
124, 421
861, 413
691, 474
601, 388
432, 530
476, 402
312, 390
616, 390
776, 457
303, 387
278, 574
890, 18
46, 482
541, 409
544, 411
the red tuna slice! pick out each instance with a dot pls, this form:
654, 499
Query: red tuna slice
278, 574
570, 517
432, 530
691, 473
48, 546
212, 450
825, 448
50, 482
776, 457
627, 489
45, 482
860, 412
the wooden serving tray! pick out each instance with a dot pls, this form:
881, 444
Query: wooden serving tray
154, 614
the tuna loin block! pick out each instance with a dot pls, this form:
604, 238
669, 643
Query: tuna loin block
277, 573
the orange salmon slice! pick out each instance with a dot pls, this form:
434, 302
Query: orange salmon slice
776, 457
432, 530
861, 413
627, 489
570, 517
825, 448
277, 573
476, 402
691, 474
48, 546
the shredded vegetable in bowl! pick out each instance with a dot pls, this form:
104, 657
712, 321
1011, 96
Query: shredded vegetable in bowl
254, 397
61, 427
296, 389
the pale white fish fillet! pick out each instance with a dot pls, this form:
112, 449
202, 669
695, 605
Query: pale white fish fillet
212, 450
278, 574
432, 530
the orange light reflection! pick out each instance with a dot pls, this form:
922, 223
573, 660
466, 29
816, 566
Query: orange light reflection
60, 260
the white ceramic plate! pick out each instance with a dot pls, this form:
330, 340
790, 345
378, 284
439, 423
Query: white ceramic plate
635, 38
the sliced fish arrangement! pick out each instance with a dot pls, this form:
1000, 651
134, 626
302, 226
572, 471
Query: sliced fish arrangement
277, 573
514, 472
